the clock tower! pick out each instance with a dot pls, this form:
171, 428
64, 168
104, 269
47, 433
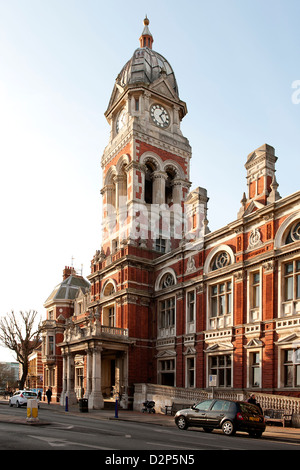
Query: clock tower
147, 212
146, 162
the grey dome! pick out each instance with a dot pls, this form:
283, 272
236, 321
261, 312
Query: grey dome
146, 66
69, 288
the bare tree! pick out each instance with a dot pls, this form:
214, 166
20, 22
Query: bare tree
7, 376
21, 336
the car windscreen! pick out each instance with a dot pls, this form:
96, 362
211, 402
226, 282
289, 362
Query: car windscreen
204, 405
30, 394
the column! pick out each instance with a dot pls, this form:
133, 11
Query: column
70, 393
64, 381
121, 191
159, 187
88, 389
96, 399
178, 184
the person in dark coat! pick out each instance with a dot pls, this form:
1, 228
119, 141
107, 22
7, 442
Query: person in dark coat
253, 401
49, 395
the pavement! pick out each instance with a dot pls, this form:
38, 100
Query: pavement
273, 432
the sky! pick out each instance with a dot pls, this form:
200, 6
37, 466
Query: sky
237, 67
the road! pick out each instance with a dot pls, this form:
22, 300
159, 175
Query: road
61, 431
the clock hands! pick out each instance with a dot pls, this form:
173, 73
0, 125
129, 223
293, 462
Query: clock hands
163, 117
159, 116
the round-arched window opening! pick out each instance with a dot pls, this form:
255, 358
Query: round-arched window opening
294, 234
169, 186
109, 289
221, 260
149, 183
167, 281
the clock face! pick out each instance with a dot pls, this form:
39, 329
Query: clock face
159, 115
121, 120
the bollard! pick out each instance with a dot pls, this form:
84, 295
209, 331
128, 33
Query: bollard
66, 404
32, 410
116, 409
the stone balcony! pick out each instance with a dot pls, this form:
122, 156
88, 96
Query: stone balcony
91, 330
49, 359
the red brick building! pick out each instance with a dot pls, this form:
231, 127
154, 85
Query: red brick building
34, 380
167, 301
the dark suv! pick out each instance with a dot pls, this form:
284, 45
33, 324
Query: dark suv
228, 415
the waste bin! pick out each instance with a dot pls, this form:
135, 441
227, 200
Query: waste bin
83, 405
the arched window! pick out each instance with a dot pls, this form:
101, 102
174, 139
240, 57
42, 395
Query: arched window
110, 190
109, 289
109, 310
169, 186
293, 234
149, 183
221, 260
167, 281
122, 186
219, 257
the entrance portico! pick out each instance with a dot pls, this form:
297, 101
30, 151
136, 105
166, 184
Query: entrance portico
104, 370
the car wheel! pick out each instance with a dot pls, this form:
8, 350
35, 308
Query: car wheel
182, 422
18, 404
228, 428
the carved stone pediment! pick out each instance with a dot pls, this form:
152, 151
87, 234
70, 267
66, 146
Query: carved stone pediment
254, 343
166, 353
218, 347
190, 351
292, 339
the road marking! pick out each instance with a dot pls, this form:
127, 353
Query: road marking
54, 442
61, 425
168, 445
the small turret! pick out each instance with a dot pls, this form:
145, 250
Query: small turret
146, 39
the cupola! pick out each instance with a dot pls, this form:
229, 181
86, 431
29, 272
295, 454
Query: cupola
146, 39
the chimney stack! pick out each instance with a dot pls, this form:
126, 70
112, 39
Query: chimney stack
68, 271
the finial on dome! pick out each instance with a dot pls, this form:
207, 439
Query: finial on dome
146, 39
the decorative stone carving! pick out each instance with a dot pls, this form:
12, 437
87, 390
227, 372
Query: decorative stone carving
269, 266
255, 239
190, 265
239, 276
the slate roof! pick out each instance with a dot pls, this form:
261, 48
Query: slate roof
146, 66
68, 289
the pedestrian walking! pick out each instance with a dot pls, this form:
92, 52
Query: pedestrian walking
49, 395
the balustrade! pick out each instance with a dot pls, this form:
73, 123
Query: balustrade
74, 332
164, 396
